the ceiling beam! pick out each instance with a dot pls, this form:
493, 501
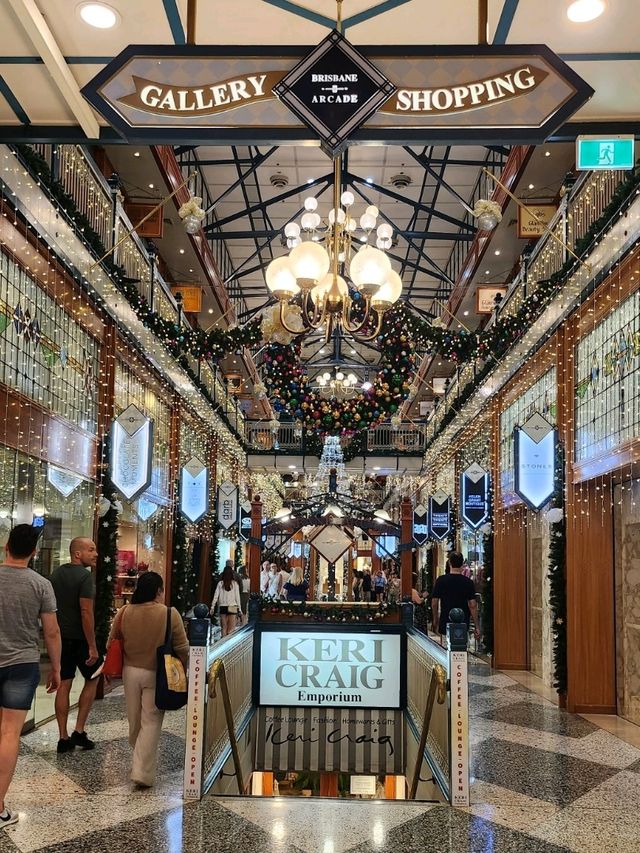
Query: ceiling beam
33, 23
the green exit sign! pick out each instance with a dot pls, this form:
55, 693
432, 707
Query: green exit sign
604, 152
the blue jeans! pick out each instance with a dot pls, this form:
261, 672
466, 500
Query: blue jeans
18, 684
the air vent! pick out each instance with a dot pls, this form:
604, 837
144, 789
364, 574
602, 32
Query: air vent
401, 181
278, 180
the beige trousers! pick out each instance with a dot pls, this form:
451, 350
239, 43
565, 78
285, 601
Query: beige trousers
145, 722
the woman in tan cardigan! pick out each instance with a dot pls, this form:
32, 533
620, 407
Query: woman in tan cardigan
141, 626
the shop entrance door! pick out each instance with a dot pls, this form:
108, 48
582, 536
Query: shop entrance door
627, 580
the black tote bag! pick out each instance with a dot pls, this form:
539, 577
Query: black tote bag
171, 681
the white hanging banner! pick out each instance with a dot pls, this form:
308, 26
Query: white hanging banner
244, 530
227, 505
131, 452
194, 490
535, 461
63, 481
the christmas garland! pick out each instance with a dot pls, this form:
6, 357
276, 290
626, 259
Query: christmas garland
107, 544
319, 613
184, 580
291, 389
558, 585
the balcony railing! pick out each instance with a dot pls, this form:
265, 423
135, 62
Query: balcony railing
384, 440
94, 198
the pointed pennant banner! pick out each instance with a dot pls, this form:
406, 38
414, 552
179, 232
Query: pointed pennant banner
474, 496
420, 525
439, 515
194, 490
535, 446
227, 505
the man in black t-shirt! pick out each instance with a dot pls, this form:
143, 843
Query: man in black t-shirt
454, 590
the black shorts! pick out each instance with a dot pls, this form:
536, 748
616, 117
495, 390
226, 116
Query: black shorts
74, 655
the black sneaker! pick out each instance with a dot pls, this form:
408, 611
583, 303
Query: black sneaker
7, 818
81, 740
66, 745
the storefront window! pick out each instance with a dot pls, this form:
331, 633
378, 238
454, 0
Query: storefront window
607, 399
540, 397
43, 353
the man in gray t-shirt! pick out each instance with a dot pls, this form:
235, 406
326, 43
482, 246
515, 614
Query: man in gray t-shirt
25, 599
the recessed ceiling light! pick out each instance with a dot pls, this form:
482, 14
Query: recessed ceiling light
210, 310
353, 352
136, 153
376, 467
321, 352
466, 313
310, 180
547, 153
190, 270
487, 272
150, 186
292, 467
369, 181
497, 252
98, 15
582, 11
182, 251
531, 186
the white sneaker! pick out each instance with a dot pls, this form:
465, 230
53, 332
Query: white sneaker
7, 818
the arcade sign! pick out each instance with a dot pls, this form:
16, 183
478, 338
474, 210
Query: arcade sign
439, 515
535, 445
338, 669
420, 525
131, 452
194, 490
227, 505
181, 93
474, 496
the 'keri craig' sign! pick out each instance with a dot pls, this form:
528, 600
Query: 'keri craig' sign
340, 669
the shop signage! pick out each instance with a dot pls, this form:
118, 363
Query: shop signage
609, 152
131, 452
63, 481
518, 93
191, 297
244, 528
333, 91
439, 515
459, 729
146, 508
474, 496
227, 505
486, 297
344, 669
194, 490
328, 739
534, 221
420, 525
195, 722
535, 461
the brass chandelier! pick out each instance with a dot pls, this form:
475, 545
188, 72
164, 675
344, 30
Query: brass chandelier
338, 386
310, 273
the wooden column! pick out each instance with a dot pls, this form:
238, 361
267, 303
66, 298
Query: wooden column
406, 544
255, 544
313, 572
106, 405
510, 589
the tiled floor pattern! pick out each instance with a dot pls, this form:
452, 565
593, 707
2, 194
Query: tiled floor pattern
544, 781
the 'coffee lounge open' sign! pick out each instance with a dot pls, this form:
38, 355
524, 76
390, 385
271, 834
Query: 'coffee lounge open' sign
503, 93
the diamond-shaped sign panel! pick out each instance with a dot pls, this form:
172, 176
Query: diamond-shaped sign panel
334, 90
440, 496
194, 466
474, 472
331, 543
131, 420
537, 427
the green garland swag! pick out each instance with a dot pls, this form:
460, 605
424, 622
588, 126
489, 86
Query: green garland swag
184, 581
107, 545
318, 613
558, 585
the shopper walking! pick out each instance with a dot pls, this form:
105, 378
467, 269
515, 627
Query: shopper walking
25, 598
141, 626
75, 591
366, 585
296, 587
356, 587
227, 599
379, 585
453, 590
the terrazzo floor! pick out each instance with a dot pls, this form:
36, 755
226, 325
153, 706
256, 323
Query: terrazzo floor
544, 781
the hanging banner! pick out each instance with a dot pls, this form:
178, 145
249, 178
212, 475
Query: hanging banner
227, 505
63, 482
357, 740
535, 445
180, 93
131, 452
244, 528
420, 525
194, 490
439, 515
474, 496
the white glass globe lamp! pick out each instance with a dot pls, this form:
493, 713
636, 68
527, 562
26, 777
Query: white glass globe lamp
309, 263
369, 270
280, 279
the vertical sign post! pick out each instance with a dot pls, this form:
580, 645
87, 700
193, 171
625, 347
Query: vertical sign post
457, 636
196, 699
